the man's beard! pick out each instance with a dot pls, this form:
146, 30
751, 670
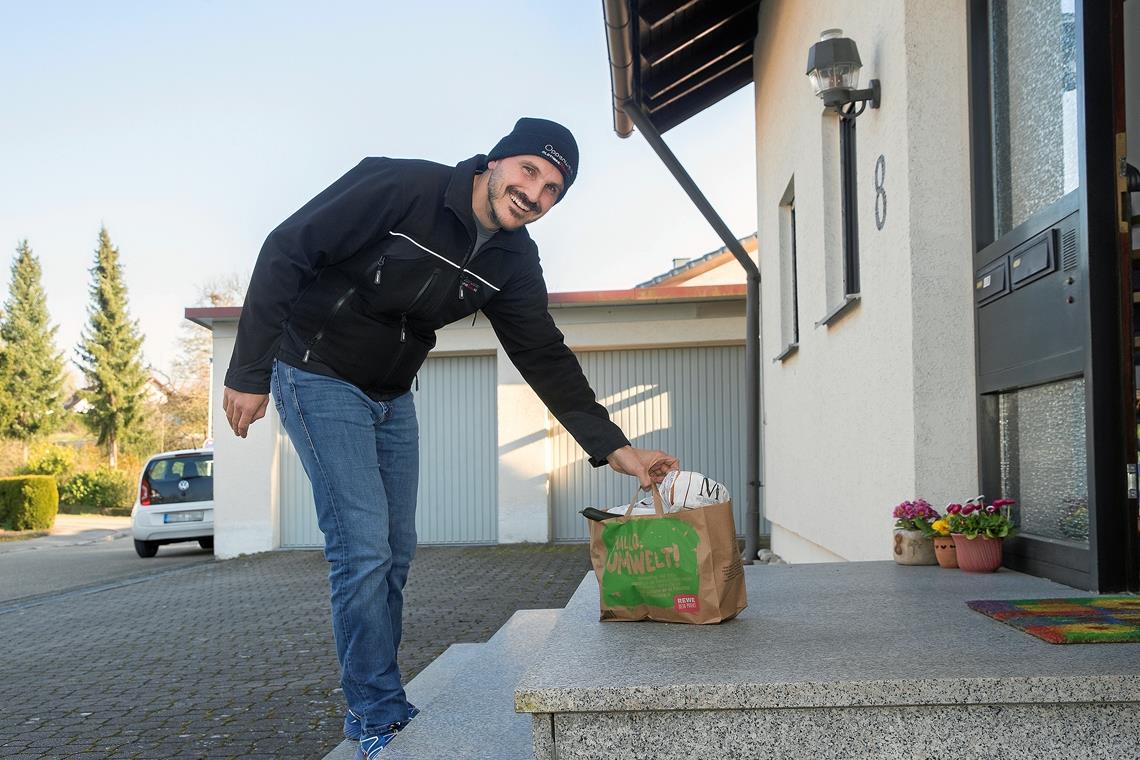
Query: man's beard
496, 190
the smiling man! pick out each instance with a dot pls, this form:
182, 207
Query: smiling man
341, 312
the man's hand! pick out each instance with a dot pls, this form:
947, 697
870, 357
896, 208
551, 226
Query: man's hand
243, 409
644, 464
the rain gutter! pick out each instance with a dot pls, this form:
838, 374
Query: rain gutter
629, 114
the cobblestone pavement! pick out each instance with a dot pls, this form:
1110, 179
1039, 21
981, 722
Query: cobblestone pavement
235, 659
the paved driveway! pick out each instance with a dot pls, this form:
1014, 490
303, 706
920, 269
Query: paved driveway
234, 659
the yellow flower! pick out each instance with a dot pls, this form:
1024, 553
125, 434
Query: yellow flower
941, 526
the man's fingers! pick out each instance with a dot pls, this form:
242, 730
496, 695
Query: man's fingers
662, 464
243, 409
250, 414
260, 411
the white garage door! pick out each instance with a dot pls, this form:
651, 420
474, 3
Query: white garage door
687, 401
458, 463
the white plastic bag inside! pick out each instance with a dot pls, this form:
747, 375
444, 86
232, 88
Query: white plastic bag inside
680, 489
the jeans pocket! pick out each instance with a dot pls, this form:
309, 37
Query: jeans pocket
275, 389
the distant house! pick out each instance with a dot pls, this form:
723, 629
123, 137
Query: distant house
157, 391
76, 403
717, 267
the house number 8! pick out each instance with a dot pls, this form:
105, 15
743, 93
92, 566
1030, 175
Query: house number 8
880, 192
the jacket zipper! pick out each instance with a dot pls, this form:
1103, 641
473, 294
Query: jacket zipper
404, 324
321, 333
404, 317
379, 269
463, 268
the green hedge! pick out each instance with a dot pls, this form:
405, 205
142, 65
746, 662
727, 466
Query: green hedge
103, 488
28, 502
51, 460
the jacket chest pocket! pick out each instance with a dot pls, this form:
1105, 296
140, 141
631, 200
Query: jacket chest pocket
394, 286
467, 296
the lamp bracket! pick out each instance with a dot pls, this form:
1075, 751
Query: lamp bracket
853, 102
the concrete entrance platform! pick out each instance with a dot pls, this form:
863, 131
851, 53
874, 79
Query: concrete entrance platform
856, 659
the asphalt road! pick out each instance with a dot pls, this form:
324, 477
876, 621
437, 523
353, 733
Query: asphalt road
83, 553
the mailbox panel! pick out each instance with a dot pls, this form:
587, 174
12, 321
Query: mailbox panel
1034, 261
991, 283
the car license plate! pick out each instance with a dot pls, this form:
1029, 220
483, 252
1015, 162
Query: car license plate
177, 517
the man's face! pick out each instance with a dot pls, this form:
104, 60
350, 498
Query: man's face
521, 189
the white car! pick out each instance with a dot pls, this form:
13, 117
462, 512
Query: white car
175, 501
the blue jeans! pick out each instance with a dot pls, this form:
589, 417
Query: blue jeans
362, 458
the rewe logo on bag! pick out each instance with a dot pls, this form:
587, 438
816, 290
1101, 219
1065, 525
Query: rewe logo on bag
686, 603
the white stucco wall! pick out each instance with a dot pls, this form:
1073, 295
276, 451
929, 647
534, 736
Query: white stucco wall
245, 469
878, 407
247, 515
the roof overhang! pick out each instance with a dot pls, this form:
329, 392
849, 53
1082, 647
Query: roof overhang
208, 316
675, 58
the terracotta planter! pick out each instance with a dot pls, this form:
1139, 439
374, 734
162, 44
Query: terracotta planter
913, 548
978, 555
945, 552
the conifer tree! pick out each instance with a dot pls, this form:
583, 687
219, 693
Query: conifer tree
31, 368
109, 354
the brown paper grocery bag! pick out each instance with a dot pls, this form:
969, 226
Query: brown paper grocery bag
680, 567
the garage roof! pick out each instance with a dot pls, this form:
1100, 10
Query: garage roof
207, 316
675, 58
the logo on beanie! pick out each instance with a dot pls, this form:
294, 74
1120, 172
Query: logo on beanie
556, 158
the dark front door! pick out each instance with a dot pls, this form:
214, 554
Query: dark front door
1051, 364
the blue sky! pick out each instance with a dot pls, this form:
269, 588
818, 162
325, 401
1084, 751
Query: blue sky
191, 129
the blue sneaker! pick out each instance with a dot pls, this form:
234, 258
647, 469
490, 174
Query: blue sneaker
352, 722
372, 745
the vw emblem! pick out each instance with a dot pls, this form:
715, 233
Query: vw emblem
184, 485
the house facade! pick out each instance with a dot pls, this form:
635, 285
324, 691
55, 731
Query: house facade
946, 277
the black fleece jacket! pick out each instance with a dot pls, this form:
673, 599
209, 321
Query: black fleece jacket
355, 284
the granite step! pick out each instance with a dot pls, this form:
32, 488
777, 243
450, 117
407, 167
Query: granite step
428, 684
860, 659
466, 698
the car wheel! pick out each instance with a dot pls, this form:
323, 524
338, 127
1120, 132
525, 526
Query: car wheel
206, 543
146, 549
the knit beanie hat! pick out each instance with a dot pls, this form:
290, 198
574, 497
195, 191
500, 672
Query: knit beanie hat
540, 137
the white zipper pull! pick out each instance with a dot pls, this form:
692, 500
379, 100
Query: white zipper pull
305, 358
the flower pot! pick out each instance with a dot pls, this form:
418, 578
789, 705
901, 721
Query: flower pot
945, 552
913, 548
978, 555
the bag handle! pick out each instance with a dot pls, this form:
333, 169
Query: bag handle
658, 504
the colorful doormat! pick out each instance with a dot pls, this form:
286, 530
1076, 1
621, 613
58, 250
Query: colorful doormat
1087, 620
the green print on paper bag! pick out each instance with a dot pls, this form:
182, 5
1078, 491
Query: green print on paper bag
649, 562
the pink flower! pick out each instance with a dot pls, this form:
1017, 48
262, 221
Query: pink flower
968, 509
991, 509
1004, 503
953, 509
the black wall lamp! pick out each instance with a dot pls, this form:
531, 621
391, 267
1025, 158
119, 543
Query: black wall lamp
833, 67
